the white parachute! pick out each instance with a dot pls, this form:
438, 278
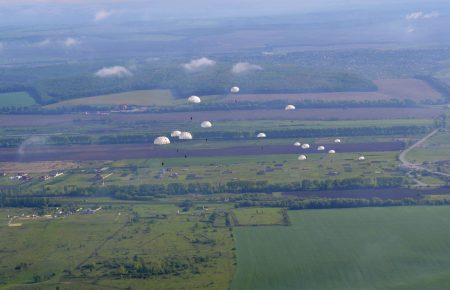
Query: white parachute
161, 140
206, 124
289, 108
185, 136
332, 151
297, 144
194, 100
337, 140
261, 135
175, 133
321, 148
305, 146
234, 90
361, 158
302, 157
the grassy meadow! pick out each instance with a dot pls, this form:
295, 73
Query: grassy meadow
118, 247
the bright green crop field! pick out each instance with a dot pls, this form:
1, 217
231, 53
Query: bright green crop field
366, 248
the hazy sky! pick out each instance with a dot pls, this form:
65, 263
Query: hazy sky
81, 11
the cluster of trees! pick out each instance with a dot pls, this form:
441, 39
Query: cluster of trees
138, 268
322, 203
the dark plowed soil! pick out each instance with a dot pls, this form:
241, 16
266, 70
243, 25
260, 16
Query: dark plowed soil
136, 151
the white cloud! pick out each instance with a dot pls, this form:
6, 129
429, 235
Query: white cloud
198, 64
410, 30
243, 67
113, 71
102, 15
421, 15
43, 43
69, 42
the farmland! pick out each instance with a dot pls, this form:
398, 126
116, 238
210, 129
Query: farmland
400, 89
16, 99
138, 98
393, 248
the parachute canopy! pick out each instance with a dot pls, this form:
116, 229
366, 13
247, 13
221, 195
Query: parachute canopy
194, 100
261, 135
302, 157
234, 90
305, 146
206, 124
361, 158
297, 144
161, 140
337, 140
175, 133
289, 108
185, 136
332, 151
321, 148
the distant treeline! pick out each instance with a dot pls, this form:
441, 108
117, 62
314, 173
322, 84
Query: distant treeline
323, 203
148, 138
154, 190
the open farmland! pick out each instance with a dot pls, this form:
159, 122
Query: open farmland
16, 99
399, 89
369, 248
236, 115
137, 98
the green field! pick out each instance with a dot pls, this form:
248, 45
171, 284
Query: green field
257, 216
138, 98
435, 149
367, 248
16, 99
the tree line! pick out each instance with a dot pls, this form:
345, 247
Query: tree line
324, 203
149, 191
